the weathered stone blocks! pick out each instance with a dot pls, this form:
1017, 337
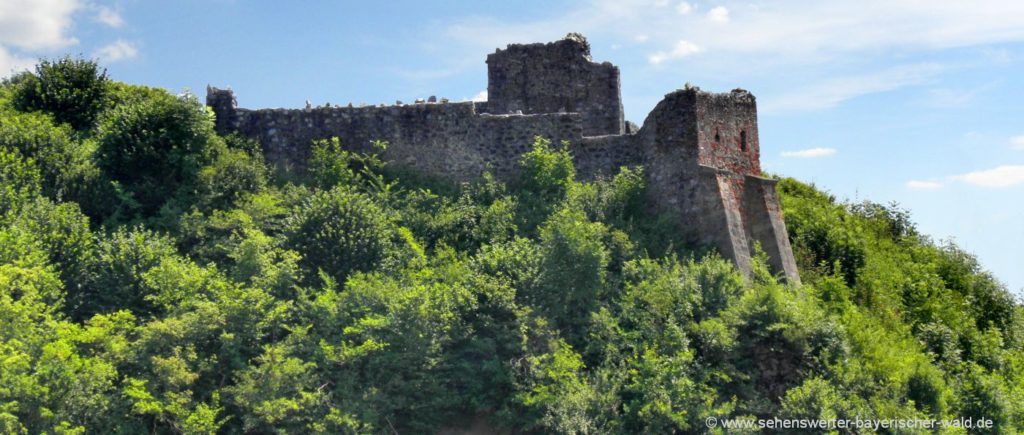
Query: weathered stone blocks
700, 150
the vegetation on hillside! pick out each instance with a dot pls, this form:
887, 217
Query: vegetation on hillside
156, 277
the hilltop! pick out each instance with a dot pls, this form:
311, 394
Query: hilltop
157, 276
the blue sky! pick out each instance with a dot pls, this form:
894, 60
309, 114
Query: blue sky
912, 101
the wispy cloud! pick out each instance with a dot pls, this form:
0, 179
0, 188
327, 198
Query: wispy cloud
998, 177
10, 63
109, 16
719, 14
831, 92
811, 153
1001, 176
684, 8
681, 50
943, 98
923, 185
784, 31
997, 55
1017, 142
116, 51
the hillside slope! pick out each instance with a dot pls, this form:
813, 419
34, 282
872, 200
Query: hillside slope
156, 277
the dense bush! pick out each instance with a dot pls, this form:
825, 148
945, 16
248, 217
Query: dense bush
340, 231
72, 90
19, 180
156, 148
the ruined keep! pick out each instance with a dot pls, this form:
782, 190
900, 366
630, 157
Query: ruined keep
699, 150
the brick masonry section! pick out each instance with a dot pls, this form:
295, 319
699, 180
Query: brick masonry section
699, 150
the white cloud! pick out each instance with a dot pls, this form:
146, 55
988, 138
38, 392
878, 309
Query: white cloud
784, 30
1017, 142
37, 24
719, 15
923, 185
681, 50
10, 63
829, 93
684, 8
119, 50
997, 55
480, 96
811, 153
951, 98
1001, 176
660, 3
641, 38
109, 16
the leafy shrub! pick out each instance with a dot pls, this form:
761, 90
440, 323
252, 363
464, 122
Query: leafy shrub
572, 272
65, 162
339, 231
122, 259
19, 180
156, 148
331, 165
72, 90
545, 176
823, 230
234, 174
62, 232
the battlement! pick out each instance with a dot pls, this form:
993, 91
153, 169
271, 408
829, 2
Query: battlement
700, 151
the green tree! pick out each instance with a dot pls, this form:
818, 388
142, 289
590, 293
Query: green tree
572, 275
72, 90
156, 148
545, 177
340, 231
65, 162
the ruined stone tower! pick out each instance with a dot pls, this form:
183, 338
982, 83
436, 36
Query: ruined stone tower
699, 150
554, 78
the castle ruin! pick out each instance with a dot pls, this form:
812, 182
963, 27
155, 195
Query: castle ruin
699, 150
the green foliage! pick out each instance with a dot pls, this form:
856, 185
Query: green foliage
483, 212
67, 170
157, 278
72, 90
62, 234
156, 148
122, 259
339, 231
19, 180
572, 272
545, 177
556, 396
233, 175
331, 165
826, 235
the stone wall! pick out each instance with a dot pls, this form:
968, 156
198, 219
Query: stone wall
447, 140
556, 77
727, 131
700, 150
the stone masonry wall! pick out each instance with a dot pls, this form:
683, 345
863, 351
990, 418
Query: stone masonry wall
556, 77
447, 140
700, 151
727, 131
701, 156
